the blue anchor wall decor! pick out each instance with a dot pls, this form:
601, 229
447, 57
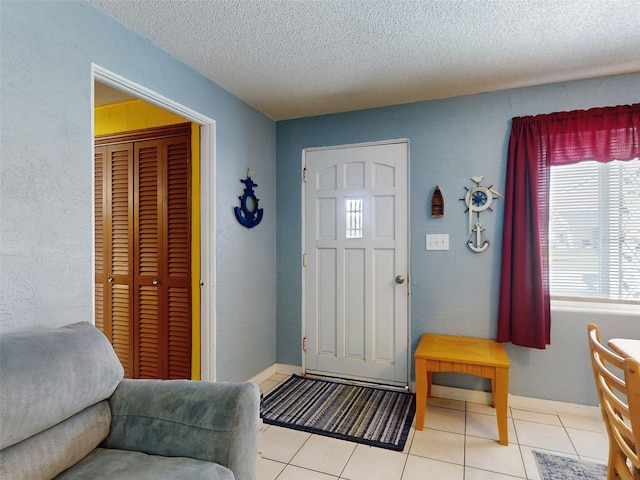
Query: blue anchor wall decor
249, 215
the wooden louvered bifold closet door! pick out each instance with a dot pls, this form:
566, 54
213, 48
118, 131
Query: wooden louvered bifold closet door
114, 256
163, 267
159, 317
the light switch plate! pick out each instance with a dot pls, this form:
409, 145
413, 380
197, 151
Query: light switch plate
438, 241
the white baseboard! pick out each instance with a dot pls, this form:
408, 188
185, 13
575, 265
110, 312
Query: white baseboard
281, 368
264, 375
516, 401
465, 395
553, 406
288, 369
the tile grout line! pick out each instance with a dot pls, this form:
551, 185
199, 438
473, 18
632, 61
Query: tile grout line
570, 439
464, 445
347, 462
404, 467
515, 432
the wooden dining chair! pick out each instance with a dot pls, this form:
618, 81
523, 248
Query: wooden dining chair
632, 379
616, 387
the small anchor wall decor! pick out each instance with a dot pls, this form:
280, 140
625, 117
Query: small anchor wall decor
476, 244
248, 213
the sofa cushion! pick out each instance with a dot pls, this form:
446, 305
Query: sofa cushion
49, 375
110, 464
51, 452
214, 422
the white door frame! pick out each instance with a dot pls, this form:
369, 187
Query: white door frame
303, 238
207, 205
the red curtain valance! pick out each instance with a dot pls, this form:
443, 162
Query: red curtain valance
602, 134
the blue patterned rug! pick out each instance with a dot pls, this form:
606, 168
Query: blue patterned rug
553, 467
372, 416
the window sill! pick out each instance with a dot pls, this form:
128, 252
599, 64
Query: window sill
593, 307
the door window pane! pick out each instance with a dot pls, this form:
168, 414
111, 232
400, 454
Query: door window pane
355, 217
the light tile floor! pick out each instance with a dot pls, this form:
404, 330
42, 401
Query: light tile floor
458, 442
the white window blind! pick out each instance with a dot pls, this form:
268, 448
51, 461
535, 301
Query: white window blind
594, 231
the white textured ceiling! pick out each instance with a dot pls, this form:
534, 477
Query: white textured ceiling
299, 58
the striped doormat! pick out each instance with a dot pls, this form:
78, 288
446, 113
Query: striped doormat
372, 416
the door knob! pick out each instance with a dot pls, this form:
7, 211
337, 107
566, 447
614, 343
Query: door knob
400, 279
155, 281
109, 279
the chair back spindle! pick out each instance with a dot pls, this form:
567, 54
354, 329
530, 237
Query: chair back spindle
617, 382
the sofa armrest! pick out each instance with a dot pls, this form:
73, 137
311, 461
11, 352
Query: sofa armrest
215, 422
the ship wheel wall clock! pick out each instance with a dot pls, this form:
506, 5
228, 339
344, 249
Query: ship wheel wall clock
248, 213
478, 199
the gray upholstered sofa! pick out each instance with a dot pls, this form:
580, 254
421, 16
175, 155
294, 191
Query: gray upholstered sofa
66, 412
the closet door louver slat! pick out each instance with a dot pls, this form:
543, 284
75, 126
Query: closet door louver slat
178, 200
149, 227
179, 333
121, 327
121, 203
149, 351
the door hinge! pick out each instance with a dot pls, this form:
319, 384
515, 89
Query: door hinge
304, 259
304, 344
304, 174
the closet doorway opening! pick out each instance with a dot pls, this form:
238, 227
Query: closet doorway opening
109, 88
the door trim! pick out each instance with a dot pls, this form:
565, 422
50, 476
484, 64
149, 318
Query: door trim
207, 208
303, 239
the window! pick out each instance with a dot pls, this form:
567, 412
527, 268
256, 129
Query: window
594, 231
355, 227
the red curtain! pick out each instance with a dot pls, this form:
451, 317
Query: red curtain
536, 143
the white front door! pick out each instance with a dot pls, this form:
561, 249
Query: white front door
356, 262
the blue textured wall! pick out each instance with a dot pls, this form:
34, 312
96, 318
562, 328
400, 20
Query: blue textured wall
455, 291
46, 211
46, 196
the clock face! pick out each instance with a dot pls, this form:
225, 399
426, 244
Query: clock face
478, 198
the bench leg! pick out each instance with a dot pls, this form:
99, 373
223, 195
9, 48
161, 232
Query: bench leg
421, 391
500, 401
493, 391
